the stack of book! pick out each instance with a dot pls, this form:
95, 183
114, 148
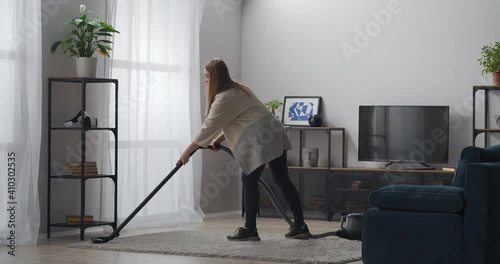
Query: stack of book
316, 201
437, 182
75, 219
89, 168
354, 205
359, 184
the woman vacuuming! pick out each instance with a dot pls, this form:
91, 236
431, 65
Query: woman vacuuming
255, 137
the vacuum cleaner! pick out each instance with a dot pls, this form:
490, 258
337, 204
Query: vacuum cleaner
350, 224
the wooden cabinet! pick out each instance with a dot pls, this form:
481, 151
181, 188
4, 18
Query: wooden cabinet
352, 186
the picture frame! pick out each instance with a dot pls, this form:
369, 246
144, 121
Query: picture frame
298, 109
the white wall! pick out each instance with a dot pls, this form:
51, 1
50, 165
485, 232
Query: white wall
412, 53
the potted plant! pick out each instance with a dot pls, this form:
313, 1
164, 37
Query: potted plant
273, 105
87, 37
490, 60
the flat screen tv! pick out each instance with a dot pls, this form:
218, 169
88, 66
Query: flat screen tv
403, 134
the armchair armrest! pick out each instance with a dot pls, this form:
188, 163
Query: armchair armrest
482, 213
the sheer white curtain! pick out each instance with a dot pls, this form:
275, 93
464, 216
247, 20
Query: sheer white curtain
20, 119
156, 61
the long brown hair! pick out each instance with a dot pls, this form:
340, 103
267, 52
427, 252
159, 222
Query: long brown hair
219, 80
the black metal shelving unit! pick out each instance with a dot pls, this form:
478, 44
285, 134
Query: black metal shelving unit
486, 129
307, 176
83, 130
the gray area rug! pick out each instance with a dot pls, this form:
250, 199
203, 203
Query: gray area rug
208, 244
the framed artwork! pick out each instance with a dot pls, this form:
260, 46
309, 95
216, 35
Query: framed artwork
298, 109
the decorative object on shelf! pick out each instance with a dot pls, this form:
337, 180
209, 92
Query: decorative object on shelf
273, 105
497, 120
310, 157
360, 184
85, 122
315, 120
298, 109
89, 168
88, 36
490, 60
317, 201
75, 219
86, 67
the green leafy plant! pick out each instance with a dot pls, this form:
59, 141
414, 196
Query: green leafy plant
273, 105
490, 58
87, 37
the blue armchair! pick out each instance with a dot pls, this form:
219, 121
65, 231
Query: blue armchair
457, 224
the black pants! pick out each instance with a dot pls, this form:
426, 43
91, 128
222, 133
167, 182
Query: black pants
279, 170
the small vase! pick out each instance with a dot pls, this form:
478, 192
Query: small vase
496, 78
86, 67
315, 120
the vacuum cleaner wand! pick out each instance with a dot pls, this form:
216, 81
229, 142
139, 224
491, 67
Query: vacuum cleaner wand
116, 232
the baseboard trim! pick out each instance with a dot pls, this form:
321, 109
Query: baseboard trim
71, 232
222, 214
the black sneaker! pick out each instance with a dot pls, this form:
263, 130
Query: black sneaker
244, 234
298, 232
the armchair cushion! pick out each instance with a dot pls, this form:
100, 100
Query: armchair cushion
444, 199
471, 155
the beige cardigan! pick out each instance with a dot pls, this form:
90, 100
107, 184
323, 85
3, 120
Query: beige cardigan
253, 133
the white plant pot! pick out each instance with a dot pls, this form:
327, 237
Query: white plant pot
86, 67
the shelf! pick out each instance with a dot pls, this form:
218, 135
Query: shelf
378, 170
324, 210
353, 190
71, 177
348, 211
307, 168
80, 80
315, 128
85, 225
478, 131
85, 128
486, 87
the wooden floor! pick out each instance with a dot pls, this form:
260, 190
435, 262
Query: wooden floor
55, 250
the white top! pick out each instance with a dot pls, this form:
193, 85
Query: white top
253, 133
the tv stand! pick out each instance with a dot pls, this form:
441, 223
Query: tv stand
407, 166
